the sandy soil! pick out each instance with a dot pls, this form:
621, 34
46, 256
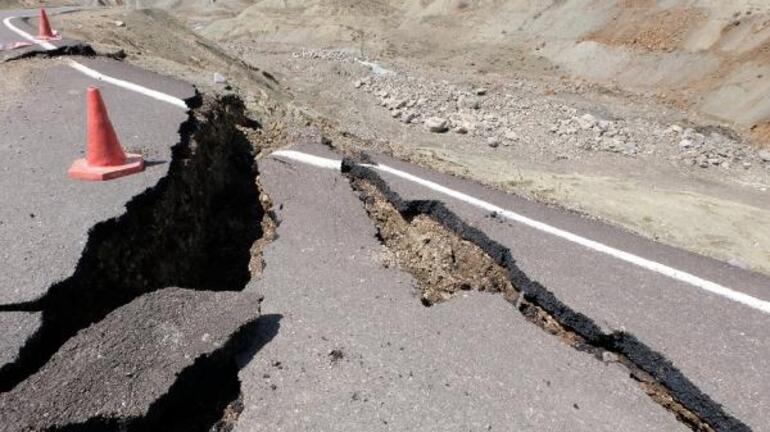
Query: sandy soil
295, 62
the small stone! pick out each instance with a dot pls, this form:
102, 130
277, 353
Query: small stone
493, 142
609, 357
511, 135
396, 103
468, 102
120, 24
481, 91
587, 121
219, 78
629, 148
436, 124
764, 155
358, 84
462, 130
408, 117
676, 129
395, 113
685, 144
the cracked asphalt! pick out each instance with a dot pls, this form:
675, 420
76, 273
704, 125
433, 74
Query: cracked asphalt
720, 345
343, 341
470, 364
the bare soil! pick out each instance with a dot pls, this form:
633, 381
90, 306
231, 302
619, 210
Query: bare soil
442, 263
538, 65
659, 31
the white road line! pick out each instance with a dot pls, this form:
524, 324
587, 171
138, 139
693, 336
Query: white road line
44, 44
98, 75
127, 85
682, 276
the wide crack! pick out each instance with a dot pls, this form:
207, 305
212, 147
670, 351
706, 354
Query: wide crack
431, 242
442, 262
195, 229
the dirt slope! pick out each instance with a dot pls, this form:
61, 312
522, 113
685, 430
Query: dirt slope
597, 106
709, 55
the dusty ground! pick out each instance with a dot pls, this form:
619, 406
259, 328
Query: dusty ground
657, 189
523, 112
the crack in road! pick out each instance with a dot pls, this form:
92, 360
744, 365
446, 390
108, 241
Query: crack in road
196, 228
403, 228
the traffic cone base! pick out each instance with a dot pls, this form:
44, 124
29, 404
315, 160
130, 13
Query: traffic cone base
81, 170
55, 37
44, 28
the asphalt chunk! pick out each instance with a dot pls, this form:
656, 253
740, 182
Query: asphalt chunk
165, 345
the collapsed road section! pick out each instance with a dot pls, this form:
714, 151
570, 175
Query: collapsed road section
435, 246
358, 351
87, 294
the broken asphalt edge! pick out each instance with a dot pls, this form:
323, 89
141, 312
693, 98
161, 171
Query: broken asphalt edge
211, 382
135, 253
80, 49
638, 353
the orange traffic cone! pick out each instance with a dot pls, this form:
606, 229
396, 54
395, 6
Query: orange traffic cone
105, 158
44, 31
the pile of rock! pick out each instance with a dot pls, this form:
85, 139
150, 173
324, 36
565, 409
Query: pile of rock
498, 118
709, 150
335, 55
596, 134
442, 108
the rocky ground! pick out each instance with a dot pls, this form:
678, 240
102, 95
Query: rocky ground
612, 154
511, 119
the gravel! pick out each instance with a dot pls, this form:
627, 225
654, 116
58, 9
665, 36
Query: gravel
518, 114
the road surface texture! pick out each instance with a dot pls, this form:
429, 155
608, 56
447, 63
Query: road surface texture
168, 330
141, 304
721, 345
358, 351
26, 21
87, 297
47, 217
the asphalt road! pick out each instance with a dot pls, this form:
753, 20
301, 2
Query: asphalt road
721, 345
48, 216
119, 368
26, 21
344, 342
471, 364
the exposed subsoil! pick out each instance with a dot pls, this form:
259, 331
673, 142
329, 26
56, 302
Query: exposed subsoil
442, 262
430, 242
